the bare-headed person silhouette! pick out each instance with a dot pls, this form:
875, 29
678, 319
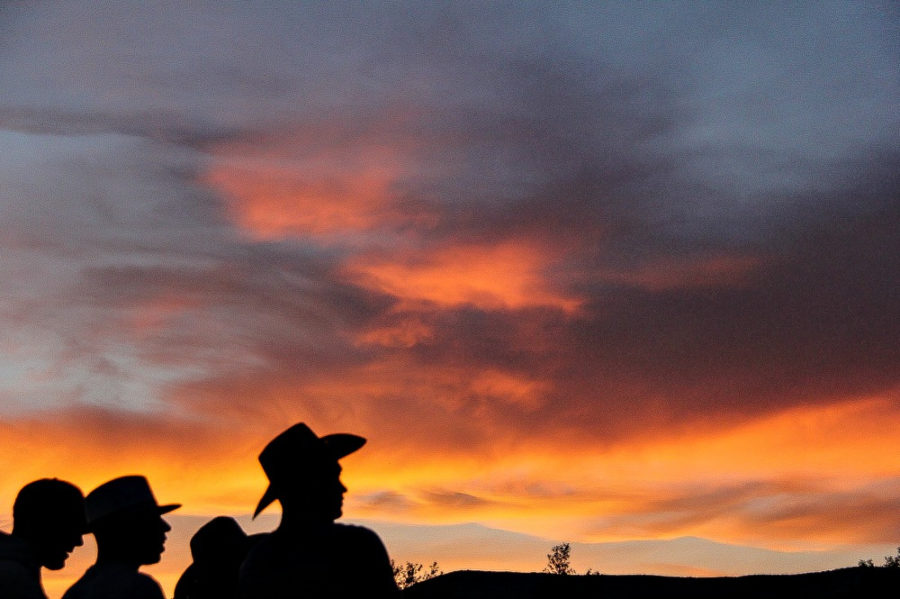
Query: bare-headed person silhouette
130, 532
48, 523
218, 548
309, 555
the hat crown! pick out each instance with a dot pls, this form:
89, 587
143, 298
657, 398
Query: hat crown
126, 493
285, 453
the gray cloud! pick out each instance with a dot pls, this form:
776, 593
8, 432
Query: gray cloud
633, 139
455, 499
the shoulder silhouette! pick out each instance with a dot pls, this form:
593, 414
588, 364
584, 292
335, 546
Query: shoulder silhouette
48, 523
309, 555
127, 523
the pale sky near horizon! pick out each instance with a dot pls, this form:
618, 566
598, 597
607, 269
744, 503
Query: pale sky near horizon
591, 272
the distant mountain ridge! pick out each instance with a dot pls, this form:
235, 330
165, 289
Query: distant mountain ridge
499, 550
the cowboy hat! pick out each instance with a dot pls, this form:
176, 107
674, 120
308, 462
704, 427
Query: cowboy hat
299, 451
121, 496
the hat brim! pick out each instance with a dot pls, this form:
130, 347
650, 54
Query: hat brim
338, 445
165, 509
342, 444
265, 501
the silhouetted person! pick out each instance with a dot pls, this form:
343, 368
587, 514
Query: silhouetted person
48, 522
308, 555
130, 532
218, 549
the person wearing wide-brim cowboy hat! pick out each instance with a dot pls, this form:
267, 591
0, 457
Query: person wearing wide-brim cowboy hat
127, 523
309, 554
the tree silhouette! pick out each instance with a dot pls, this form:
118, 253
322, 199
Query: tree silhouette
558, 560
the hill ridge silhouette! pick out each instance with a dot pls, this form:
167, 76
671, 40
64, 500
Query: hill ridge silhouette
844, 583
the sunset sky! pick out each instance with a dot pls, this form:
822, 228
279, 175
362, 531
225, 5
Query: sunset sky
588, 272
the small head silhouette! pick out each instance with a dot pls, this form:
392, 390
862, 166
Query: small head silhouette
49, 515
218, 548
303, 470
126, 520
221, 540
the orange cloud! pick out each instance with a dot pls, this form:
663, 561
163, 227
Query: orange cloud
503, 275
809, 477
162, 310
408, 331
293, 184
296, 185
530, 483
186, 462
735, 485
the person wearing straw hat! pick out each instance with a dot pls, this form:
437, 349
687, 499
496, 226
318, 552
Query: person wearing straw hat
48, 523
309, 555
127, 523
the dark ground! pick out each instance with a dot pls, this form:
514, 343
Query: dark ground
850, 583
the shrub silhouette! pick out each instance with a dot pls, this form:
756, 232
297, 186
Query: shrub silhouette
890, 561
558, 560
408, 574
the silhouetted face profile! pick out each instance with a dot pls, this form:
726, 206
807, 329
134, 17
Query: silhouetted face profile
49, 514
149, 535
319, 496
138, 537
59, 543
